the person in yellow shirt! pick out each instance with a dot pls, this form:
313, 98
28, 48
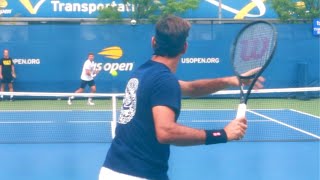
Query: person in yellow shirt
7, 73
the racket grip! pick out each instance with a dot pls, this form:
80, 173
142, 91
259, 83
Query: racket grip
241, 110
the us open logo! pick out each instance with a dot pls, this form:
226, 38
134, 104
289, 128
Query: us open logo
114, 53
3, 5
33, 9
245, 11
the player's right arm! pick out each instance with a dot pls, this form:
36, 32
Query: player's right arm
170, 132
88, 72
87, 68
1, 71
13, 72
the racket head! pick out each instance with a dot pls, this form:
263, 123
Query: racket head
94, 71
253, 49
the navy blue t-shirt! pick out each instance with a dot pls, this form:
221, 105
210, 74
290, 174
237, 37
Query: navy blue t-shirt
7, 64
135, 149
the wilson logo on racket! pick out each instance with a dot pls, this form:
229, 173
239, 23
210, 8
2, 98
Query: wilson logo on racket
260, 48
3, 7
114, 52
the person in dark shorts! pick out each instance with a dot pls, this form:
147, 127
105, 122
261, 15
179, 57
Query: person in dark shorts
7, 73
147, 124
87, 78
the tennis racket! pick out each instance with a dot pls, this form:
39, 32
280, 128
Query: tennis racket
95, 70
251, 53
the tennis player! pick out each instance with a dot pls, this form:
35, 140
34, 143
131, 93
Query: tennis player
147, 124
87, 78
7, 73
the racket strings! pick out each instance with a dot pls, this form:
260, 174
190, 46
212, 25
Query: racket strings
253, 49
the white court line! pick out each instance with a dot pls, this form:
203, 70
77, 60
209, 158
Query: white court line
53, 110
84, 122
27, 122
34, 110
217, 121
229, 109
287, 125
49, 122
208, 109
87, 121
270, 109
307, 114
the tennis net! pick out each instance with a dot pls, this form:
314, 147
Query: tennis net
289, 114
40, 117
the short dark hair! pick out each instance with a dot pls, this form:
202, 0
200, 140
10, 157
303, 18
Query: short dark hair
170, 36
90, 53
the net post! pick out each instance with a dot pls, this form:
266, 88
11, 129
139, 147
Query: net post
114, 116
303, 79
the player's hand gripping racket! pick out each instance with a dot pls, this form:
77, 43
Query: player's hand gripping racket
95, 70
251, 53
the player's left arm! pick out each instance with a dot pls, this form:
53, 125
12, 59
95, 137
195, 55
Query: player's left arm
95, 71
1, 71
92, 70
88, 72
92, 73
204, 87
13, 71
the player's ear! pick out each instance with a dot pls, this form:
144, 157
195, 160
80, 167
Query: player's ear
185, 47
153, 41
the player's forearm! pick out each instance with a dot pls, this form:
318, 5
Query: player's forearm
13, 70
88, 72
181, 135
184, 136
170, 132
206, 86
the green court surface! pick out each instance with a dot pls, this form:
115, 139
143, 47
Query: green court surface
311, 106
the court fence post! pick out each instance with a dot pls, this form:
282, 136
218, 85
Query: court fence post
114, 116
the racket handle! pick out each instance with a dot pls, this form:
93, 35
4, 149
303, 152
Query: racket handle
241, 110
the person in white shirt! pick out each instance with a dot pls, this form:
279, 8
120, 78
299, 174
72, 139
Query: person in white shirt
87, 78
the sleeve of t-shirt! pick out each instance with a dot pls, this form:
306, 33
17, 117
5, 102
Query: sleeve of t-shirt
166, 92
87, 65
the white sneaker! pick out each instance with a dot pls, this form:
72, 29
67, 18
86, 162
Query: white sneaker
69, 101
90, 103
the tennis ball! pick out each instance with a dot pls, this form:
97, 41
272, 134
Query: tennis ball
114, 73
133, 22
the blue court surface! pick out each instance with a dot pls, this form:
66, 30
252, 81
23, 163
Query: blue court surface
280, 144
